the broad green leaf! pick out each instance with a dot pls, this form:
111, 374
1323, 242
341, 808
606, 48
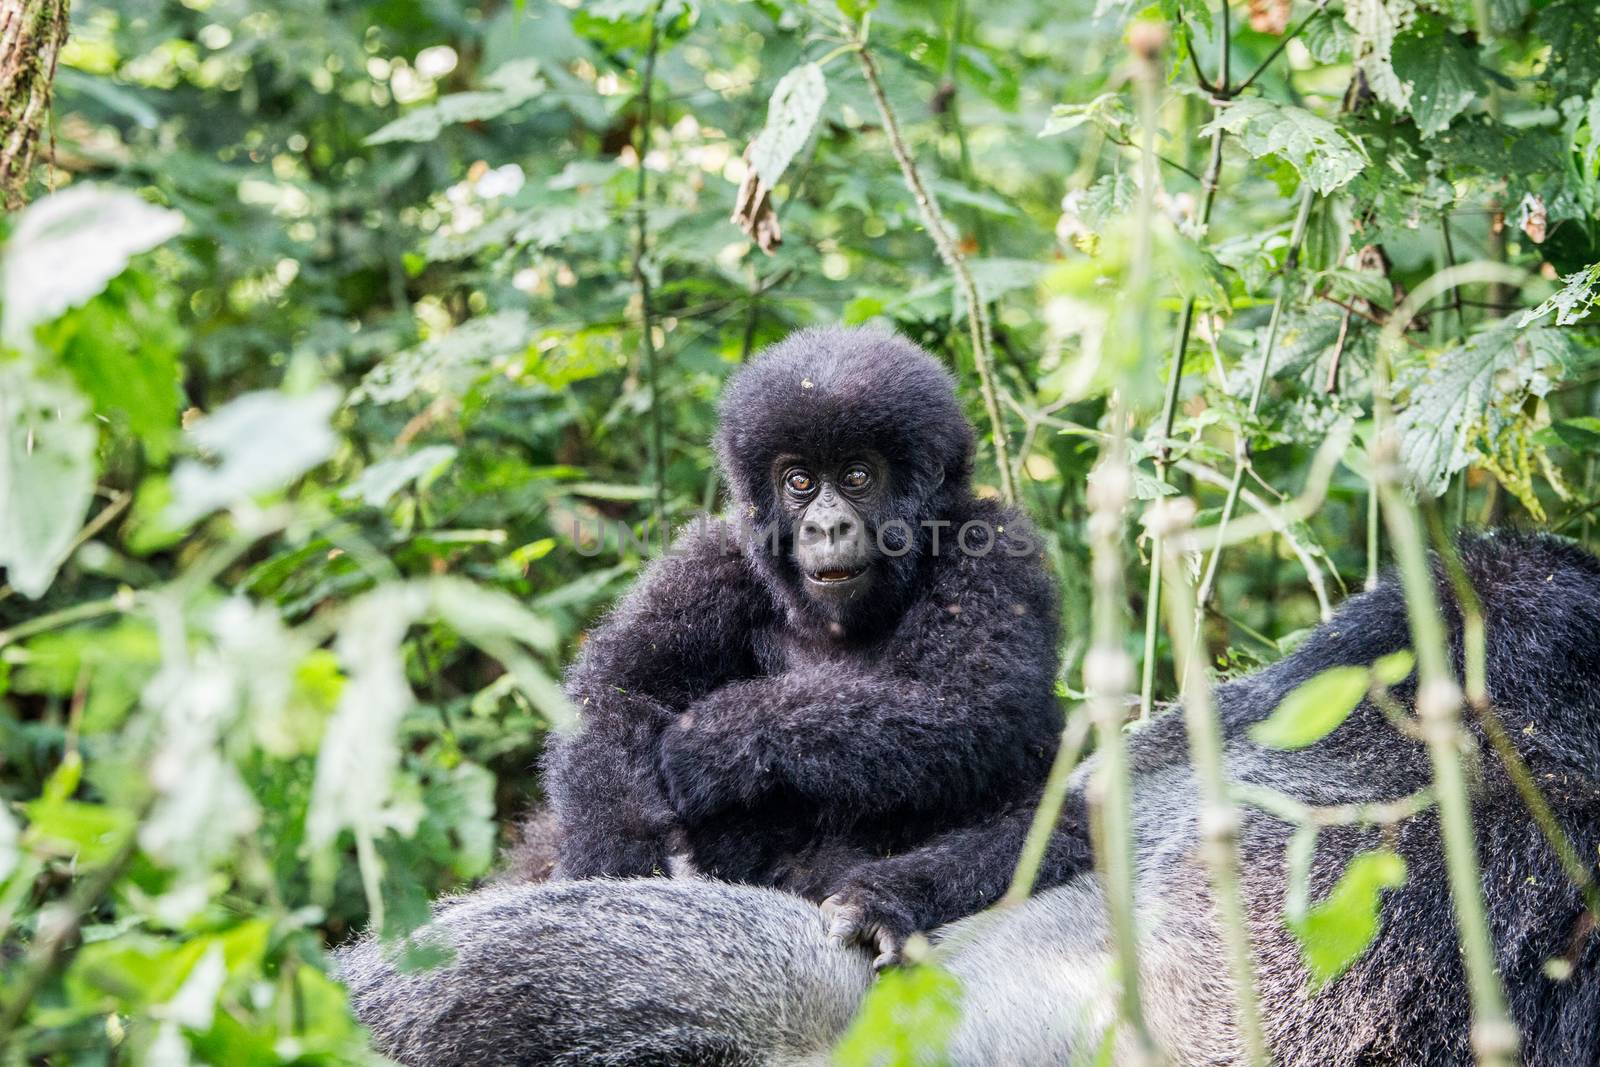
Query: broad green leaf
1313, 709
355, 776
123, 348
67, 246
1581, 432
1323, 154
1394, 668
1334, 933
1108, 111
1473, 390
1578, 294
47, 471
257, 443
383, 480
1443, 76
511, 86
791, 116
1376, 24
906, 1020
449, 362
88, 833
10, 844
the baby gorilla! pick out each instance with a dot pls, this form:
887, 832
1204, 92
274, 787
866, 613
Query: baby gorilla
864, 657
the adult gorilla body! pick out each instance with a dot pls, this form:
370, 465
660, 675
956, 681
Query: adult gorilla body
656, 971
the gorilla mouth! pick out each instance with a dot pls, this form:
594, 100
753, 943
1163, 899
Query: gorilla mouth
835, 575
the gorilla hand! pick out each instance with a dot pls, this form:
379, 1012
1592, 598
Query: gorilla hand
860, 915
706, 770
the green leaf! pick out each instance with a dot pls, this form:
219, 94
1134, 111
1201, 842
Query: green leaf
47, 473
256, 443
1476, 387
88, 833
1394, 668
1577, 296
1376, 24
1313, 709
383, 480
448, 362
511, 86
1323, 154
1108, 111
906, 1020
1334, 933
123, 349
67, 246
791, 116
1443, 75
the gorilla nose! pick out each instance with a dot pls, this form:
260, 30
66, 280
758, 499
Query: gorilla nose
832, 529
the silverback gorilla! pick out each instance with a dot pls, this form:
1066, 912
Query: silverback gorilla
864, 659
690, 971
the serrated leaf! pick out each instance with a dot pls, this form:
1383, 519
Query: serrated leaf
1335, 933
906, 1020
47, 472
1323, 154
1578, 294
1443, 76
1481, 383
791, 116
67, 246
256, 443
1108, 111
1376, 24
512, 85
446, 362
1313, 709
383, 480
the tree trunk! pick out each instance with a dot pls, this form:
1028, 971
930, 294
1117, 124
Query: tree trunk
32, 33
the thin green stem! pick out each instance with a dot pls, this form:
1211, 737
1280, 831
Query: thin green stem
1218, 818
641, 277
1074, 736
982, 334
1169, 404
1241, 454
1494, 1037
1474, 640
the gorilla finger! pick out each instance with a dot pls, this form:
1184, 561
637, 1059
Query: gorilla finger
888, 947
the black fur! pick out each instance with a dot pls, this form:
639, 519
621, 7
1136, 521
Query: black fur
1036, 982
724, 714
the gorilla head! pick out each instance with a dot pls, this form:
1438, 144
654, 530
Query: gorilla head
838, 443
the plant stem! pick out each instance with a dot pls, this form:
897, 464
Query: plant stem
950, 253
1169, 404
1074, 736
1494, 1037
1218, 817
1107, 675
1241, 451
1474, 641
641, 276
55, 933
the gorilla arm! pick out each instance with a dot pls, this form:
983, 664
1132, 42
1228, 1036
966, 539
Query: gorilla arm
683, 630
957, 711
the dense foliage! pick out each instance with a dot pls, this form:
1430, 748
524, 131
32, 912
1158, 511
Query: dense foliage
352, 355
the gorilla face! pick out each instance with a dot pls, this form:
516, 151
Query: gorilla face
838, 445
832, 510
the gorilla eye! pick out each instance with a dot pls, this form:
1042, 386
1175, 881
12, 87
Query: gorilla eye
856, 477
798, 482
